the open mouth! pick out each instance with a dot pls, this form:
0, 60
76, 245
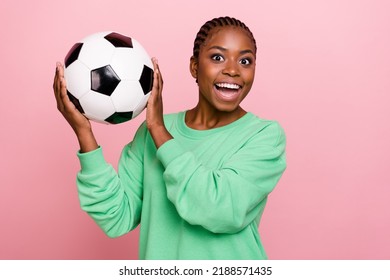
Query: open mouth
226, 86
227, 91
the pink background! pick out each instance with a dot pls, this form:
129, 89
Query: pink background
323, 72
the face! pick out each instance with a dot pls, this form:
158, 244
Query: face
225, 69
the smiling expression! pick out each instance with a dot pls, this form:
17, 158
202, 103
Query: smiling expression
225, 68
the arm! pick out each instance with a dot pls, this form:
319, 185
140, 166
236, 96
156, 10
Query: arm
113, 200
227, 199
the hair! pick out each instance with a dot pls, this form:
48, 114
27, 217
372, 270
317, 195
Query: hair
204, 31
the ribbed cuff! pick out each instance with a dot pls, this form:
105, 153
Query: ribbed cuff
92, 161
169, 151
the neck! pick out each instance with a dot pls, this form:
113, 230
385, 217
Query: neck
202, 119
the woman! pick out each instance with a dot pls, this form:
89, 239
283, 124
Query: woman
197, 181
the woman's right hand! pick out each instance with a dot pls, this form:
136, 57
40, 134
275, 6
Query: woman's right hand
79, 123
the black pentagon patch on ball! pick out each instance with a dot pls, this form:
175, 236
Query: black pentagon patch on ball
146, 79
119, 40
119, 117
76, 102
73, 54
104, 80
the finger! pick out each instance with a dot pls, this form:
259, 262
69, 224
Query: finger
60, 68
160, 79
59, 73
57, 87
156, 76
65, 100
55, 81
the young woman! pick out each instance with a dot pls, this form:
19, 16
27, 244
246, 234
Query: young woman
196, 181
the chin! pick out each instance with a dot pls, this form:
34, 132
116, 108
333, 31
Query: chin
228, 108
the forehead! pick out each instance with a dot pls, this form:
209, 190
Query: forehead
229, 35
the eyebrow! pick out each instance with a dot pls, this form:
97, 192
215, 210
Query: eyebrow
224, 49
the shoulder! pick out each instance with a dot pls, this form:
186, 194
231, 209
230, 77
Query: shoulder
171, 119
268, 132
172, 116
143, 132
168, 119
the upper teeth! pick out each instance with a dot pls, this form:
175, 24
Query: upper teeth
226, 85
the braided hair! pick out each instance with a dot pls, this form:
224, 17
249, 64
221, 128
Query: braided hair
218, 22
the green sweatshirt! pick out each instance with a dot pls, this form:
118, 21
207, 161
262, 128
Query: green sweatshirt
199, 196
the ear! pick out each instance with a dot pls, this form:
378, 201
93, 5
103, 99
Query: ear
194, 67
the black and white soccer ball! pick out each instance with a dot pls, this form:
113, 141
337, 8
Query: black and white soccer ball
109, 77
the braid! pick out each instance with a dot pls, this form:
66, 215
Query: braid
218, 22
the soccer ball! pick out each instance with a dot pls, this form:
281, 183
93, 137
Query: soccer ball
109, 77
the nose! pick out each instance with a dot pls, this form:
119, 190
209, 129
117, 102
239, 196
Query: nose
231, 68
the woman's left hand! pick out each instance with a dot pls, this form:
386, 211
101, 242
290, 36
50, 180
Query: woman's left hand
154, 110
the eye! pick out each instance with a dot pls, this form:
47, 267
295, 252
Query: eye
217, 57
246, 61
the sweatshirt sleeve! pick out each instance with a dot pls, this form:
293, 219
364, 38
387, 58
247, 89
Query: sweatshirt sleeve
113, 199
227, 199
